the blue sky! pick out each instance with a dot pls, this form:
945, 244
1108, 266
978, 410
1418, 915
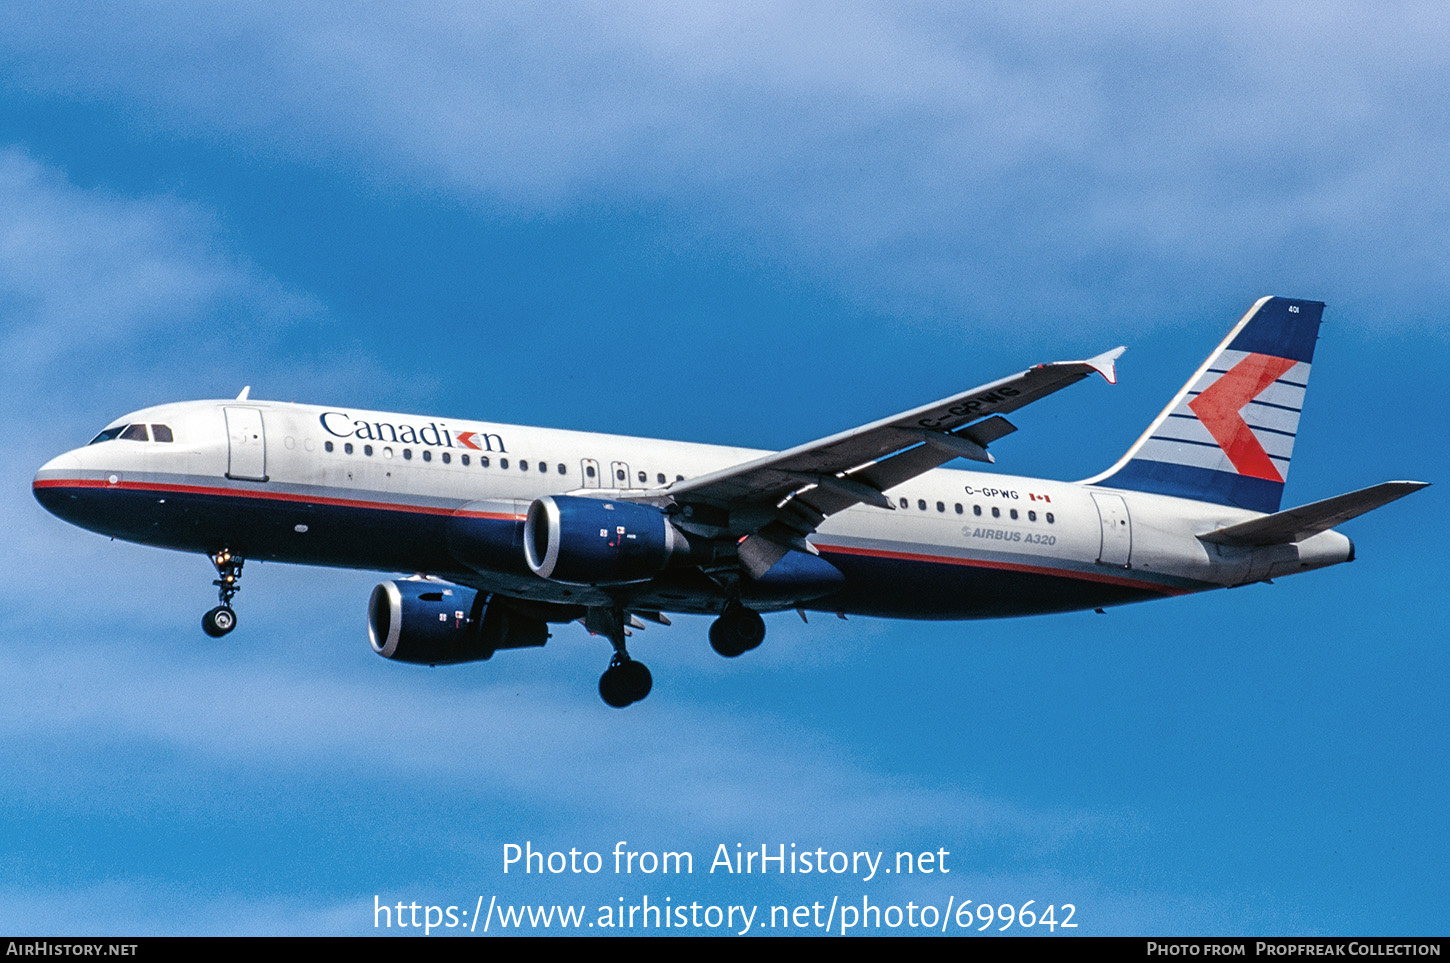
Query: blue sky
754, 224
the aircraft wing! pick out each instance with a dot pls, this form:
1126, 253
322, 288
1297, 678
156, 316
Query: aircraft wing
779, 499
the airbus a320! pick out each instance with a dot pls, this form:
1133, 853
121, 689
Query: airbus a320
506, 530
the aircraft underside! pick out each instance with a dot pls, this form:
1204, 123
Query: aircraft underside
480, 595
880, 580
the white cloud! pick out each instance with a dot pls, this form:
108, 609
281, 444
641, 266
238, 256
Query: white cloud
86, 275
932, 160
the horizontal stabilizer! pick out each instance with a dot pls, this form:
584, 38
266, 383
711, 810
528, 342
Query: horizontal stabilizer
1297, 524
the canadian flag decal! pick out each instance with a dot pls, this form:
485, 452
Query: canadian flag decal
1219, 408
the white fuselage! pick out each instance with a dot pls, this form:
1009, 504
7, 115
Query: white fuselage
375, 490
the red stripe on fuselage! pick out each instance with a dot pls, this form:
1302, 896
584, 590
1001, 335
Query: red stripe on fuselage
268, 496
1005, 566
502, 516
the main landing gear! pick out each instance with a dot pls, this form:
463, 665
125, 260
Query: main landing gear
221, 620
625, 681
736, 631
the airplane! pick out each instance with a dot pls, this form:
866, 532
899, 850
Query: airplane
508, 529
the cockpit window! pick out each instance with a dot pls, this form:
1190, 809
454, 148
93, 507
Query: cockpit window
135, 433
108, 434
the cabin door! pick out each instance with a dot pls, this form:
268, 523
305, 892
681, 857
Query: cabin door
246, 445
1117, 544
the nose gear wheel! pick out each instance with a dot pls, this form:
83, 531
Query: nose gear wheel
222, 619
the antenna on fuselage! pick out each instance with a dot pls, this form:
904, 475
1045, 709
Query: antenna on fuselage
245, 391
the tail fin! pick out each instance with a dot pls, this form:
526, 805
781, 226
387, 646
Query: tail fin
1226, 437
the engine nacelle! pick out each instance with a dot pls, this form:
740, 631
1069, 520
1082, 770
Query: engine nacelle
434, 623
592, 541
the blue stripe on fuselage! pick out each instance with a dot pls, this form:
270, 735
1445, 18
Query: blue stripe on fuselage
258, 527
920, 589
404, 539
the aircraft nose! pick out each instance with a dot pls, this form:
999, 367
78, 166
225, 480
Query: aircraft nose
50, 475
60, 466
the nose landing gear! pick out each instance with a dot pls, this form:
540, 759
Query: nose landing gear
221, 620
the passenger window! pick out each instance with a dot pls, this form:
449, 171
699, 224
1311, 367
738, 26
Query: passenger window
427, 455
407, 453
941, 506
660, 478
976, 509
135, 433
1032, 516
347, 447
447, 458
562, 469
368, 450
327, 446
619, 474
1014, 514
483, 461
679, 478
959, 508
996, 512
589, 470
921, 504
904, 503
464, 459
643, 477
161, 433
523, 465
1050, 519
503, 463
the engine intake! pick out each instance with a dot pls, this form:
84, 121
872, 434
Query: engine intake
590, 541
434, 623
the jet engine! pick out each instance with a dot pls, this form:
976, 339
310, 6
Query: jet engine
592, 541
434, 623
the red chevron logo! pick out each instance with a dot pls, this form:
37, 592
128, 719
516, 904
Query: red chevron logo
1219, 405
